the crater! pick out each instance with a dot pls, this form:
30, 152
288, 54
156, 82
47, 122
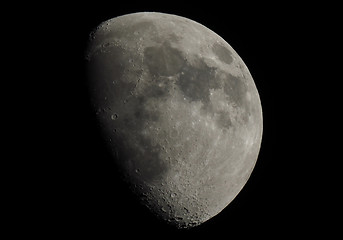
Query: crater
223, 53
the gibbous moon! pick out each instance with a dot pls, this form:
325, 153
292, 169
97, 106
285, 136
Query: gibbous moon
178, 110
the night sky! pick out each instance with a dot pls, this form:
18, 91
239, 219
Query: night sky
79, 193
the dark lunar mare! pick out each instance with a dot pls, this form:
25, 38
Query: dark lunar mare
222, 53
197, 79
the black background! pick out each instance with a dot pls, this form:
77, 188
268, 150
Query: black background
75, 189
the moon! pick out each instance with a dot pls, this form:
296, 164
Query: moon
178, 110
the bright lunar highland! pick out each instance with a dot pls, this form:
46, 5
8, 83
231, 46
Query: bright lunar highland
178, 110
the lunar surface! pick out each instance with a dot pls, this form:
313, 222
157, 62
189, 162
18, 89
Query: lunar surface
178, 110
